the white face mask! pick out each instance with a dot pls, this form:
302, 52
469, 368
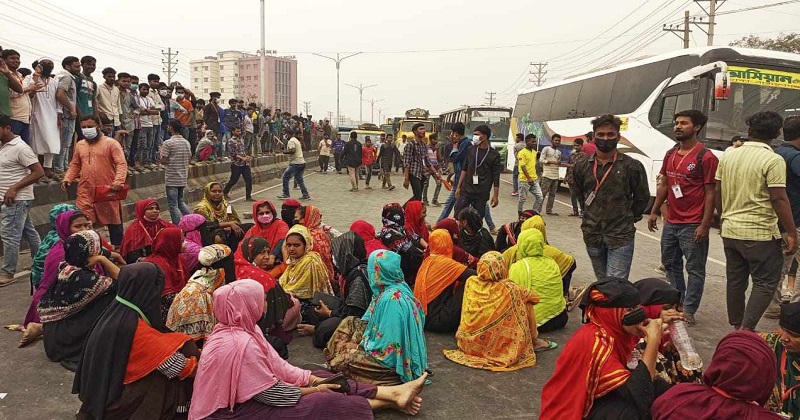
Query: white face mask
89, 133
476, 139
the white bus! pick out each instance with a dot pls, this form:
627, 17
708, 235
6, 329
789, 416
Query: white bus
646, 93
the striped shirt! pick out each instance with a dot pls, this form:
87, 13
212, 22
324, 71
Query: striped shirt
178, 152
279, 395
746, 174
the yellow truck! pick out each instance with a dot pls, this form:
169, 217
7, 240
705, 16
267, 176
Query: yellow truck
414, 116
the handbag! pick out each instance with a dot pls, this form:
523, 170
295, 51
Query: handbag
104, 193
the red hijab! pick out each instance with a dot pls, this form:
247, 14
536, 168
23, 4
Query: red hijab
464, 257
273, 232
167, 247
366, 231
142, 232
243, 260
414, 221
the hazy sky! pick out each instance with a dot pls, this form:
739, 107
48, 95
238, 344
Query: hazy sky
489, 43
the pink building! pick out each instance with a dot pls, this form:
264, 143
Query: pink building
281, 82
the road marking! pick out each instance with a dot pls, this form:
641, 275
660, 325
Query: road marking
646, 235
3, 395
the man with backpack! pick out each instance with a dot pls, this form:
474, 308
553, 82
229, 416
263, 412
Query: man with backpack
689, 171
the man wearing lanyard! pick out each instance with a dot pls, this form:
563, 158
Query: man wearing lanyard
785, 399
480, 174
688, 170
615, 192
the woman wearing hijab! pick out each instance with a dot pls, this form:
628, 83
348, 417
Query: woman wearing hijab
591, 379
737, 384
52, 237
132, 367
223, 221
269, 226
415, 220
451, 225
305, 272
77, 298
386, 346
192, 311
366, 231
137, 242
507, 237
240, 376
440, 284
396, 238
205, 148
311, 218
192, 226
289, 211
166, 255
474, 238
498, 325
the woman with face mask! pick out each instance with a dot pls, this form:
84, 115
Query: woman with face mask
139, 236
269, 226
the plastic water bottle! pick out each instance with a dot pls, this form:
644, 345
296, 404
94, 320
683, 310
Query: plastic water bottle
690, 359
636, 355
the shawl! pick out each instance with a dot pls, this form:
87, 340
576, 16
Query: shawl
76, 285
438, 271
307, 274
415, 222
243, 260
736, 385
215, 212
193, 240
237, 361
192, 311
52, 237
494, 333
106, 356
479, 241
274, 232
366, 231
539, 273
464, 257
166, 255
141, 232
593, 363
393, 334
312, 220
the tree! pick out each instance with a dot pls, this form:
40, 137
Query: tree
784, 42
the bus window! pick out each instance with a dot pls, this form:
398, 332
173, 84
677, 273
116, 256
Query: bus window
634, 85
565, 102
540, 109
674, 104
596, 95
728, 119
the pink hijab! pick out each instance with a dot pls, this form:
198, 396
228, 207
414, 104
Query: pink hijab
237, 361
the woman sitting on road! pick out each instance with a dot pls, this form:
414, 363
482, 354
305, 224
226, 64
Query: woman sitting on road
474, 238
396, 238
166, 255
137, 242
415, 221
79, 295
192, 226
386, 346
269, 225
311, 218
440, 284
131, 367
507, 237
305, 272
461, 256
366, 231
240, 376
498, 323
52, 237
223, 221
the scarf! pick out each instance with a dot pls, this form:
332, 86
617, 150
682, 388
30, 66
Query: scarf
307, 274
539, 273
274, 232
393, 235
237, 361
215, 212
193, 240
243, 259
166, 255
312, 220
141, 232
479, 241
52, 237
349, 253
415, 223
76, 285
459, 255
438, 271
736, 385
366, 231
393, 335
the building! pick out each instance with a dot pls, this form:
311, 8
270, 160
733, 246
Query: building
235, 74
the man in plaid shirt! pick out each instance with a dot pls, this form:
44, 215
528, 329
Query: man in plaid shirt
416, 163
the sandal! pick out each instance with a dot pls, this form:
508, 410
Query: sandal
550, 346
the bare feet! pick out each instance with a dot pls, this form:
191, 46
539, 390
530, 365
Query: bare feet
30, 334
305, 329
407, 395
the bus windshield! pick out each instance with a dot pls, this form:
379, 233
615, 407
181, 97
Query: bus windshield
497, 120
407, 125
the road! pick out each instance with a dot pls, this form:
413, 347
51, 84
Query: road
39, 389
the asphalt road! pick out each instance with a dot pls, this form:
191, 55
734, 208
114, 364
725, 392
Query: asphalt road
36, 388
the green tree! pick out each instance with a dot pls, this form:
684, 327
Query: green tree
784, 42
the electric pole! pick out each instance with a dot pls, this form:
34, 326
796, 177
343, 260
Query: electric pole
713, 7
306, 106
372, 103
361, 89
171, 62
490, 96
682, 33
330, 115
539, 73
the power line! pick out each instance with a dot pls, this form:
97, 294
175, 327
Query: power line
763, 6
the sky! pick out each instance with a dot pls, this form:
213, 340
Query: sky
433, 54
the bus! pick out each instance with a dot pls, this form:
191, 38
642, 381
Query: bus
726, 83
497, 118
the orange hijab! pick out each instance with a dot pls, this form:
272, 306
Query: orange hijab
439, 270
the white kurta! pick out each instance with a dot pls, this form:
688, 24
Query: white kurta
45, 135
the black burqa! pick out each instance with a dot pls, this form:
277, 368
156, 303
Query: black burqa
101, 372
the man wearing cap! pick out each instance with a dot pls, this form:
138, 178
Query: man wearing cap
785, 398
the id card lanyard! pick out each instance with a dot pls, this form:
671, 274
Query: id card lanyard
676, 187
478, 165
599, 183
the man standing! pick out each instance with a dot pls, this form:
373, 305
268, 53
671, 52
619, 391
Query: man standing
401, 147
20, 101
518, 146
615, 193
433, 158
128, 117
551, 161
790, 152
526, 158
240, 163
480, 175
324, 149
211, 113
387, 154
352, 156
19, 169
68, 112
86, 96
689, 169
297, 165
368, 154
460, 143
175, 154
147, 112
415, 162
186, 100
338, 148
576, 156
157, 94
108, 97
751, 197
45, 132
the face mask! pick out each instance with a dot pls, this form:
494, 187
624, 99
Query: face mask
476, 139
178, 95
605, 146
89, 133
265, 219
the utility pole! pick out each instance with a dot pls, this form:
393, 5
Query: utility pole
306, 106
682, 33
361, 89
338, 62
171, 62
490, 96
330, 115
372, 103
713, 8
539, 73
262, 67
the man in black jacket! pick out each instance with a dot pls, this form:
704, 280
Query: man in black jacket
351, 156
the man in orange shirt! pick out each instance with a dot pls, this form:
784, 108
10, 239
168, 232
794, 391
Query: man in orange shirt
185, 98
368, 154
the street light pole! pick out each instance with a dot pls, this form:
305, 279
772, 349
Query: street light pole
361, 89
338, 62
372, 103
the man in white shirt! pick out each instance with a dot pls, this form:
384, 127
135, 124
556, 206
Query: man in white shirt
551, 161
108, 97
19, 169
297, 165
